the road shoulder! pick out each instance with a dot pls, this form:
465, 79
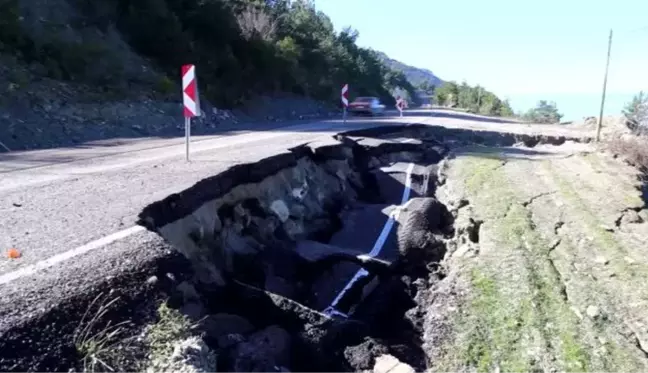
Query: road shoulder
547, 276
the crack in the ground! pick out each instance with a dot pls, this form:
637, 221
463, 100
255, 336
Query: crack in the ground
635, 340
532, 199
556, 272
248, 219
555, 245
636, 219
473, 229
639, 345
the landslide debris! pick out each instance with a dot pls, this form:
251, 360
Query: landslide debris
244, 305
243, 230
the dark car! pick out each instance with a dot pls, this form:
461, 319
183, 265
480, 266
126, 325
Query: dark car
367, 105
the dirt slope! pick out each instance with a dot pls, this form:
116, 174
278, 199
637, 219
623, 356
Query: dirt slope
553, 274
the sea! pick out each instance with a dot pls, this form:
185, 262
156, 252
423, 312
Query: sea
574, 106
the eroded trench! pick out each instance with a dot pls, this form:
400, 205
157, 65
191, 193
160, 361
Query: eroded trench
312, 260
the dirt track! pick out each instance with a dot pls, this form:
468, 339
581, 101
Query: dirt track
556, 278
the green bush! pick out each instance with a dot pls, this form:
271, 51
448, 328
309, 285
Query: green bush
166, 86
472, 99
544, 112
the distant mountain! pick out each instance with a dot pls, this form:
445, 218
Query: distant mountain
415, 75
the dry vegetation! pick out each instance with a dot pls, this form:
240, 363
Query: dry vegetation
634, 149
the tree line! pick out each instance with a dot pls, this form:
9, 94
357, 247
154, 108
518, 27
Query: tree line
241, 47
478, 100
474, 99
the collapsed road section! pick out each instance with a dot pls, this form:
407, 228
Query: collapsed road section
338, 236
310, 260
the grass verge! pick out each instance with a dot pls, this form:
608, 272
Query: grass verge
516, 316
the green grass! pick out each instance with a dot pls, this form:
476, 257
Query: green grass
95, 338
603, 239
495, 335
161, 337
505, 317
485, 180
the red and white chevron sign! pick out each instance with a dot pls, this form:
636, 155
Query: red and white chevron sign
400, 103
190, 91
345, 95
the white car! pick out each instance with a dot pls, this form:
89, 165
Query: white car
367, 105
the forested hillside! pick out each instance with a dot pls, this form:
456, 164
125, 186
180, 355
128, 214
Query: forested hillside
241, 48
475, 99
415, 75
73, 71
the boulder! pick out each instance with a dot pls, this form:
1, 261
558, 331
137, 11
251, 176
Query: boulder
264, 351
224, 328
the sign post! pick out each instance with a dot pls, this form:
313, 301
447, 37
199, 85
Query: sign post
190, 100
345, 101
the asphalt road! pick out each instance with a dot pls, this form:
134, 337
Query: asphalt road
370, 229
71, 212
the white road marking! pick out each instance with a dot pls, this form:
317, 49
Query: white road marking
378, 245
96, 244
56, 259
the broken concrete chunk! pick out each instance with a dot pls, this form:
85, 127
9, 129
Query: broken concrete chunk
362, 356
390, 364
385, 363
281, 210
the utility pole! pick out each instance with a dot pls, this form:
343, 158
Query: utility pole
607, 66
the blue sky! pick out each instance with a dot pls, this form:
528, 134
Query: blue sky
521, 50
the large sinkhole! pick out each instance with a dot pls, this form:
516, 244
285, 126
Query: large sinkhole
321, 249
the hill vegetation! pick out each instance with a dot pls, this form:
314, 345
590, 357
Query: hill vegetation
544, 112
241, 47
636, 112
475, 99
417, 76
